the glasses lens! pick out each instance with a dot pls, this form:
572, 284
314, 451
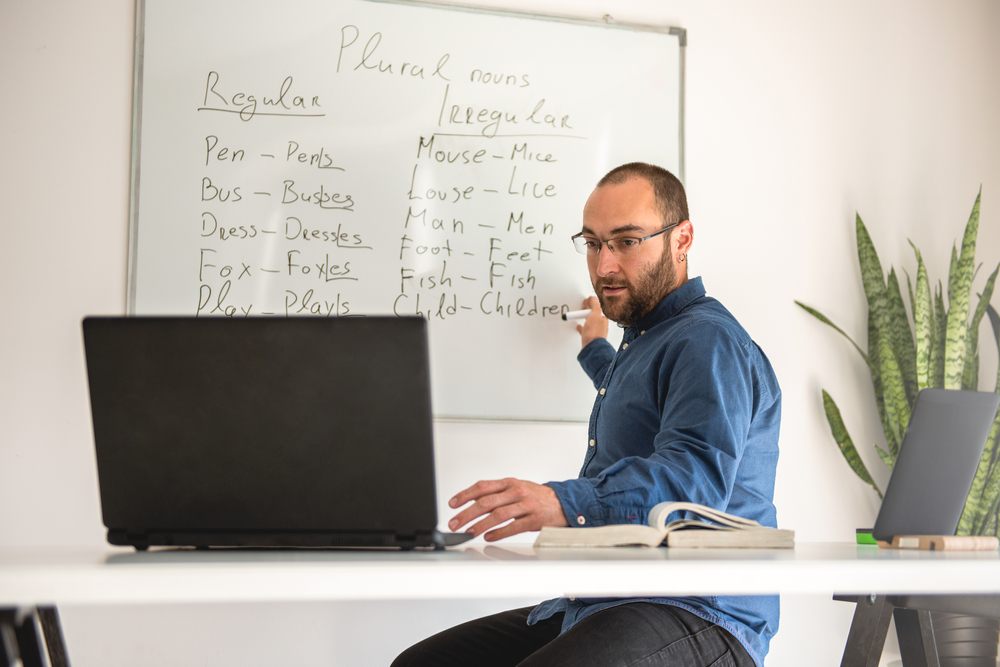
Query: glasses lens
585, 245
624, 246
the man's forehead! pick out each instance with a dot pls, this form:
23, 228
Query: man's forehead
635, 192
621, 207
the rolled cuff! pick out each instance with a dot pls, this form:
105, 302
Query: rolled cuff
579, 502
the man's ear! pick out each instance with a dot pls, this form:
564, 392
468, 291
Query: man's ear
683, 238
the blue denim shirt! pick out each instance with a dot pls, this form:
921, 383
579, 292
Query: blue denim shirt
688, 408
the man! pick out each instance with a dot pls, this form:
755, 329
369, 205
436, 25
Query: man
688, 408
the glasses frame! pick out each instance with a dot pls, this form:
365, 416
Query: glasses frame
609, 242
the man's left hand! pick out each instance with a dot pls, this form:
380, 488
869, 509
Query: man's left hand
530, 505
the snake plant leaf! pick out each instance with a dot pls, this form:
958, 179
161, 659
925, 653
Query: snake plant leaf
909, 287
959, 286
979, 516
970, 373
937, 348
952, 270
889, 383
890, 388
876, 374
995, 325
871, 268
901, 337
970, 377
991, 525
825, 320
923, 312
844, 442
984, 495
981, 506
970, 370
897, 408
887, 458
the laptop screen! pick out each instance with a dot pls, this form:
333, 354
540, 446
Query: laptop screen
936, 463
260, 425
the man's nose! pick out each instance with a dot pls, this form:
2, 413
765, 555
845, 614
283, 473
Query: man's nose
607, 262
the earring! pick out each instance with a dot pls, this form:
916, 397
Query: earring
681, 257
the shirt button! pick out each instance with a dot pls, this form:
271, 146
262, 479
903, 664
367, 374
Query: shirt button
593, 443
642, 333
602, 391
624, 346
580, 520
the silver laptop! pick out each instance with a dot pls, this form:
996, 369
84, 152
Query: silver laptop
936, 464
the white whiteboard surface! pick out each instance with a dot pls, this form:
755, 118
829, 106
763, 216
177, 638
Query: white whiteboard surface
349, 157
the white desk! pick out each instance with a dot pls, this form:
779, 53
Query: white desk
36, 578
111, 576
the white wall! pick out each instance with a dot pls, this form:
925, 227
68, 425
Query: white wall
798, 114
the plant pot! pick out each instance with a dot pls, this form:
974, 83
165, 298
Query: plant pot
966, 641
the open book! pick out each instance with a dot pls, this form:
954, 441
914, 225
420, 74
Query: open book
714, 528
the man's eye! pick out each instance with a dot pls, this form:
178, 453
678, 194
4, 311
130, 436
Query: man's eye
591, 243
627, 243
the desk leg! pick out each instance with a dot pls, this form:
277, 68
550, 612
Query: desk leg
8, 641
20, 638
916, 637
868, 630
28, 644
52, 628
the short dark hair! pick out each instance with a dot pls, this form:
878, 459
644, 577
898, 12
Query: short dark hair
667, 188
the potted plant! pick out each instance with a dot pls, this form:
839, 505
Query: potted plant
934, 343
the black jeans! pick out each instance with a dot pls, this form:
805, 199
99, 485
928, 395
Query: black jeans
637, 633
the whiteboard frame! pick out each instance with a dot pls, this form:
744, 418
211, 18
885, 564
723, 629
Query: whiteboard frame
606, 21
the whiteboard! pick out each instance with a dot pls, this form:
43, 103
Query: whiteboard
342, 158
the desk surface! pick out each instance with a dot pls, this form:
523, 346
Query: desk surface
114, 576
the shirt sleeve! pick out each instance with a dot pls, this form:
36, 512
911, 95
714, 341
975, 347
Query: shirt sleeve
595, 358
706, 410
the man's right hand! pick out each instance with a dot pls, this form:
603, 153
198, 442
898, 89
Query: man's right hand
595, 326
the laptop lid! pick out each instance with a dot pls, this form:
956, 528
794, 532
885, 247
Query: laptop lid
263, 431
936, 463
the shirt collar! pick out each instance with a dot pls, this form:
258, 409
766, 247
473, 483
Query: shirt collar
672, 304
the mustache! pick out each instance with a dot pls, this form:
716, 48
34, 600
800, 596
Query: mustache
609, 283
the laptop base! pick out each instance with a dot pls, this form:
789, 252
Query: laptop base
286, 540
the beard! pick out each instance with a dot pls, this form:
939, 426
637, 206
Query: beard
653, 283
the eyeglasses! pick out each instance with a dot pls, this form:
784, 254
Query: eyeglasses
620, 245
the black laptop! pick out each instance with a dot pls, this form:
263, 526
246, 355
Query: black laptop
936, 464
264, 432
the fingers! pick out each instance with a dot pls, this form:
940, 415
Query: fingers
513, 504
488, 496
497, 517
534, 511
477, 490
595, 308
515, 527
488, 505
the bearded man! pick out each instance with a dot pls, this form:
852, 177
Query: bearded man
687, 409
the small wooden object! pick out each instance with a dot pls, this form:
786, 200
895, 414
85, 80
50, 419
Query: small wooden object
945, 542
